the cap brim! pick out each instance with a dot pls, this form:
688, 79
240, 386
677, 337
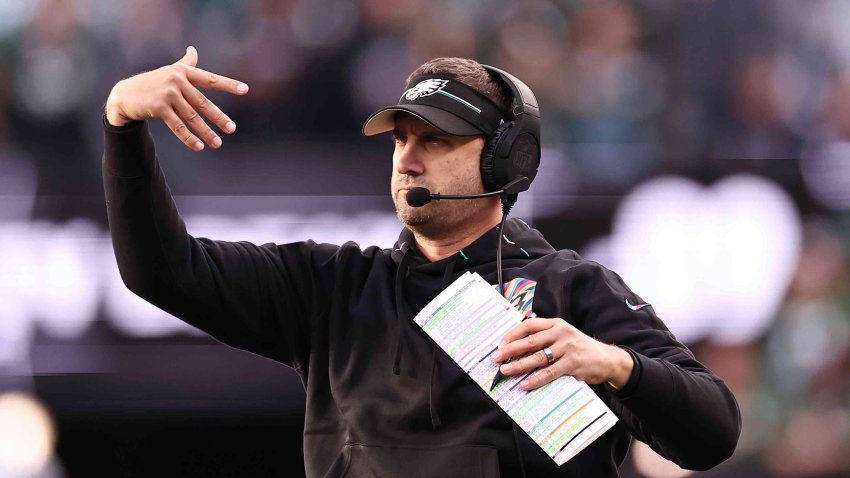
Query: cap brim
383, 120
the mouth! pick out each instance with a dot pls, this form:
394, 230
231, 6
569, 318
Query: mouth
404, 189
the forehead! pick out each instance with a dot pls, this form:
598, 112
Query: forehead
410, 124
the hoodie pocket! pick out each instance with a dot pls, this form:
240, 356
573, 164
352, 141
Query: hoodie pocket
367, 461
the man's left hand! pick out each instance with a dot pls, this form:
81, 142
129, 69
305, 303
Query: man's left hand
573, 353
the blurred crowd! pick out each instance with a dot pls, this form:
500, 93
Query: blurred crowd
628, 91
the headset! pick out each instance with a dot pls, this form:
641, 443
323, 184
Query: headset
513, 150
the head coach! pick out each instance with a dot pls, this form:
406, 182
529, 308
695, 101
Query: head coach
382, 399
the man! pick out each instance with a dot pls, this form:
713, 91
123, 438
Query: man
382, 399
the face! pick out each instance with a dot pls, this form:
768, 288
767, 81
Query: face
426, 157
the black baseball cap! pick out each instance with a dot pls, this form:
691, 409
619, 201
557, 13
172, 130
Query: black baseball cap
443, 102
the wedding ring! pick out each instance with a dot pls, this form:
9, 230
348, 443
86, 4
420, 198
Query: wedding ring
550, 357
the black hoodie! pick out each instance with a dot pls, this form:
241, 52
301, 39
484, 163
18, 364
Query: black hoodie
382, 399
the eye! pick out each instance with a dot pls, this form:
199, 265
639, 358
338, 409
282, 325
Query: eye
432, 138
399, 139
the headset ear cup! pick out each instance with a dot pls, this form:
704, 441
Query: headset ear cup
489, 159
524, 158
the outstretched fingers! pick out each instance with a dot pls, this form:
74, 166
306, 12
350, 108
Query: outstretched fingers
191, 106
193, 119
200, 103
214, 81
179, 128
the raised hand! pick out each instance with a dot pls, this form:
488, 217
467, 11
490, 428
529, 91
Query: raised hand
171, 94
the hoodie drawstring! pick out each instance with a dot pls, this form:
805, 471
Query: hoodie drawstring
447, 275
432, 405
400, 274
518, 450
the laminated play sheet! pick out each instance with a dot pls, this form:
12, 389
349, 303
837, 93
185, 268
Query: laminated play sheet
468, 319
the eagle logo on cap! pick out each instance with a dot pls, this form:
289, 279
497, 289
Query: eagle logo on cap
424, 88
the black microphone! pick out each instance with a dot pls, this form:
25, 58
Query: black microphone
418, 197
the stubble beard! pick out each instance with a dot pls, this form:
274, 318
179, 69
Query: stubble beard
438, 219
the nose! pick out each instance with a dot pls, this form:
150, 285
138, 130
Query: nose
407, 158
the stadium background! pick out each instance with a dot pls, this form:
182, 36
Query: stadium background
698, 148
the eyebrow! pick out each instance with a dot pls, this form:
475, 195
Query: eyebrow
434, 132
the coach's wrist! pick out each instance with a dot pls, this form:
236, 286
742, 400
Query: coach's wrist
622, 365
113, 110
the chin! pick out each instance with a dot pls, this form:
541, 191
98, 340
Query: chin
428, 224
437, 218
413, 218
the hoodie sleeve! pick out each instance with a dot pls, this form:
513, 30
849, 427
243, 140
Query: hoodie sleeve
257, 298
671, 402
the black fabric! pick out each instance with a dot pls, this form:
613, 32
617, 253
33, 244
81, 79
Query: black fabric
401, 309
329, 312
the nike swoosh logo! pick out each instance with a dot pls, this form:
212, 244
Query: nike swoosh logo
636, 307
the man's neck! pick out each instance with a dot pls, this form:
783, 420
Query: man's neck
435, 249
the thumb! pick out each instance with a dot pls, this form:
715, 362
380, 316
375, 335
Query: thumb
190, 58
